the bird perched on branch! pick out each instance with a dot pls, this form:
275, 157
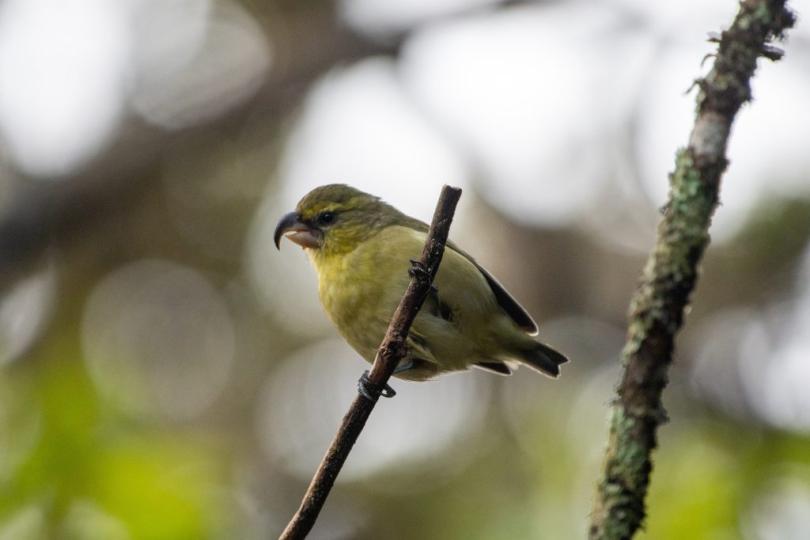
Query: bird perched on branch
361, 247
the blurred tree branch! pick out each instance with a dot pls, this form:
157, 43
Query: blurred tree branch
657, 308
391, 351
46, 214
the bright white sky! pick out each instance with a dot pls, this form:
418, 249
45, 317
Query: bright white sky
61, 80
535, 103
70, 70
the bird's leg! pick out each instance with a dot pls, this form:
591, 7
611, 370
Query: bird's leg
373, 391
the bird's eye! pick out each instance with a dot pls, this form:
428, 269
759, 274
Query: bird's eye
326, 218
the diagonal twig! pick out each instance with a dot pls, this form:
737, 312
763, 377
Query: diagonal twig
391, 351
657, 308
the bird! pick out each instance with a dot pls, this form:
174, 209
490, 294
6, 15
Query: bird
362, 247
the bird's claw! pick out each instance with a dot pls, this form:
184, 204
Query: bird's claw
772, 53
418, 269
372, 391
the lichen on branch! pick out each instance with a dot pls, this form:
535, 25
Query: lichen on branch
658, 306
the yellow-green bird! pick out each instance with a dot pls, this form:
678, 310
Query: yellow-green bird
361, 249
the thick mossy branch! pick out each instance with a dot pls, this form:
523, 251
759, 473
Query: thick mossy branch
657, 308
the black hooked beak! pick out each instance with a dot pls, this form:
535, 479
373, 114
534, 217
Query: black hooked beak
298, 231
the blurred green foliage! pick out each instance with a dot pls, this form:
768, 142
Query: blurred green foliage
75, 467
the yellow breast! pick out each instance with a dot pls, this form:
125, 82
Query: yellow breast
360, 289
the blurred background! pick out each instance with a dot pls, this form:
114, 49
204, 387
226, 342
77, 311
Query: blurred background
165, 373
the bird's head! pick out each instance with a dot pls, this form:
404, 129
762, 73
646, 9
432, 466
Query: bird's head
334, 219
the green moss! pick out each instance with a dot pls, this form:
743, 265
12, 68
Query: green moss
630, 462
682, 238
762, 14
670, 273
627, 470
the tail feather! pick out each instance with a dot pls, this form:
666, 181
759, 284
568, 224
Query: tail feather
544, 359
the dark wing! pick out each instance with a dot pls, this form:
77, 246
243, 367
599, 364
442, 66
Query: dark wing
515, 311
511, 306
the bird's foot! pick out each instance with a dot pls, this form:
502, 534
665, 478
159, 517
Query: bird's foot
418, 269
373, 391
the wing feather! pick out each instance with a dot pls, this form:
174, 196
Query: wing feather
507, 302
511, 306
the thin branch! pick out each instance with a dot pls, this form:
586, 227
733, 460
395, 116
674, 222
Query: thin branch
391, 351
657, 309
